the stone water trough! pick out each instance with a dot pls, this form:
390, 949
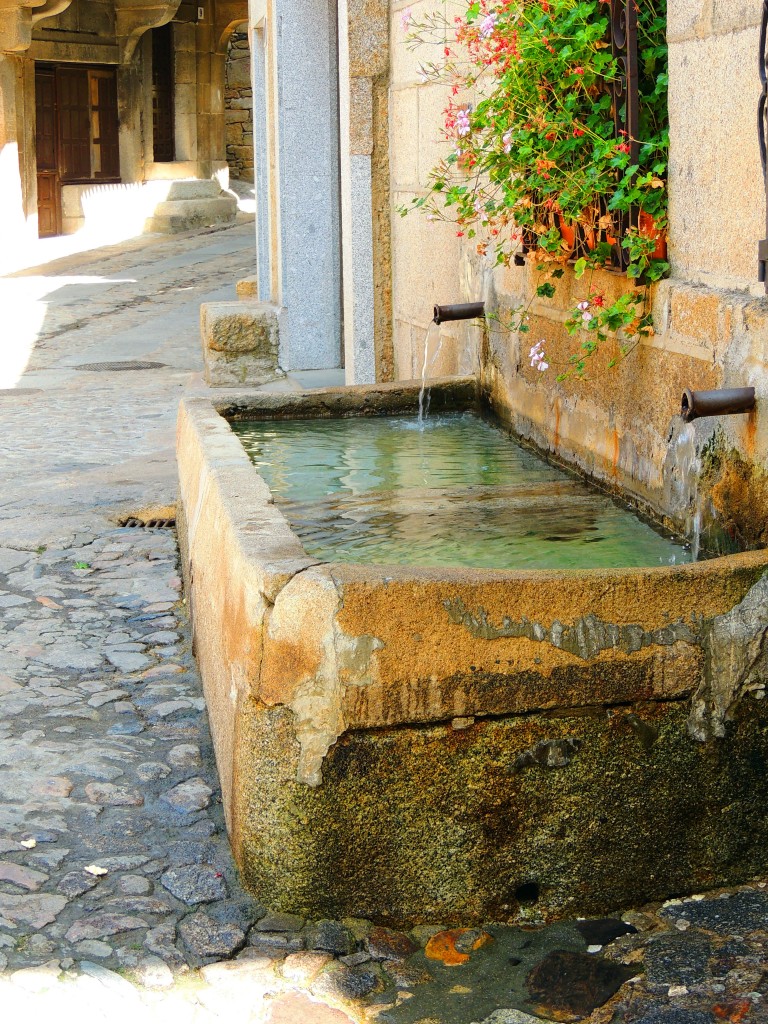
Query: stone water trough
419, 745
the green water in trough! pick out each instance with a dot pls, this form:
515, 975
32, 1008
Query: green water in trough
455, 491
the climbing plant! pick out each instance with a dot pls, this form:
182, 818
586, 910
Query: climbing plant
539, 166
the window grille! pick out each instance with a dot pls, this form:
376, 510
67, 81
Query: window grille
625, 103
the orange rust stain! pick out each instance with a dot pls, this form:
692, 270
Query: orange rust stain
615, 456
443, 946
733, 1012
750, 434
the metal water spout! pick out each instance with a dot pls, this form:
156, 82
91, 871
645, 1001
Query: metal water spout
725, 402
459, 311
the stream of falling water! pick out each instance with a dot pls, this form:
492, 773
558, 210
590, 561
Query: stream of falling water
424, 394
689, 465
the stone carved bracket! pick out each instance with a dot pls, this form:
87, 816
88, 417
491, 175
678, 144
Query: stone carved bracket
135, 17
17, 18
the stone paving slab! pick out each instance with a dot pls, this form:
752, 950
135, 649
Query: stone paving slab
119, 900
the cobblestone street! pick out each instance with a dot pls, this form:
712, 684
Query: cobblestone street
119, 899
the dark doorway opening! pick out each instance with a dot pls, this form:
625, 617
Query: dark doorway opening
163, 131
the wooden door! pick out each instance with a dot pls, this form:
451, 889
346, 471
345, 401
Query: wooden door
48, 186
74, 124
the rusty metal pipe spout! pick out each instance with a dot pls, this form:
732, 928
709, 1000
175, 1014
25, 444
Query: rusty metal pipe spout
724, 402
459, 311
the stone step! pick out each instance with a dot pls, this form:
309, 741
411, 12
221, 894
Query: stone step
183, 215
194, 189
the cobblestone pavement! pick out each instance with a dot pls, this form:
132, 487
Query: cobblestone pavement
118, 896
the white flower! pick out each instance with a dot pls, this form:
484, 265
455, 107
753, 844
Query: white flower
506, 139
536, 355
586, 317
583, 305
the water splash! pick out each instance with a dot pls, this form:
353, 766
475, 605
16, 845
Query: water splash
689, 467
424, 394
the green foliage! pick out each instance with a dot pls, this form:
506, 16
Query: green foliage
539, 151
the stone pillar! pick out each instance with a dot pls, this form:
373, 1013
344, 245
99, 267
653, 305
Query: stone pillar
12, 212
363, 69
265, 155
185, 100
132, 116
297, 56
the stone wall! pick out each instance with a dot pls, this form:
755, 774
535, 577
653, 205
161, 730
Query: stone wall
238, 105
711, 317
427, 256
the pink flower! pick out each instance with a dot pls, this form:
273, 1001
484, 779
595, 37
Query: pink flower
487, 25
506, 139
462, 123
537, 357
583, 305
406, 18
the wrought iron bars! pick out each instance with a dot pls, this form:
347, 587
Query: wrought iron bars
625, 104
625, 98
762, 116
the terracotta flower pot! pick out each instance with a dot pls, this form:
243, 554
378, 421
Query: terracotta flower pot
567, 231
646, 225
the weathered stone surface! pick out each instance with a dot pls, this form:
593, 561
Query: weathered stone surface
53, 787
195, 883
115, 796
742, 912
75, 883
183, 755
161, 940
137, 905
187, 797
511, 1017
330, 936
35, 910
94, 947
22, 876
276, 942
102, 925
575, 983
601, 931
303, 967
150, 771
678, 959
280, 923
153, 973
134, 885
386, 944
208, 938
240, 342
346, 982
287, 1009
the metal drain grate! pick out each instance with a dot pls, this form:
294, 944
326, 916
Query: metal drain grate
132, 523
129, 364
